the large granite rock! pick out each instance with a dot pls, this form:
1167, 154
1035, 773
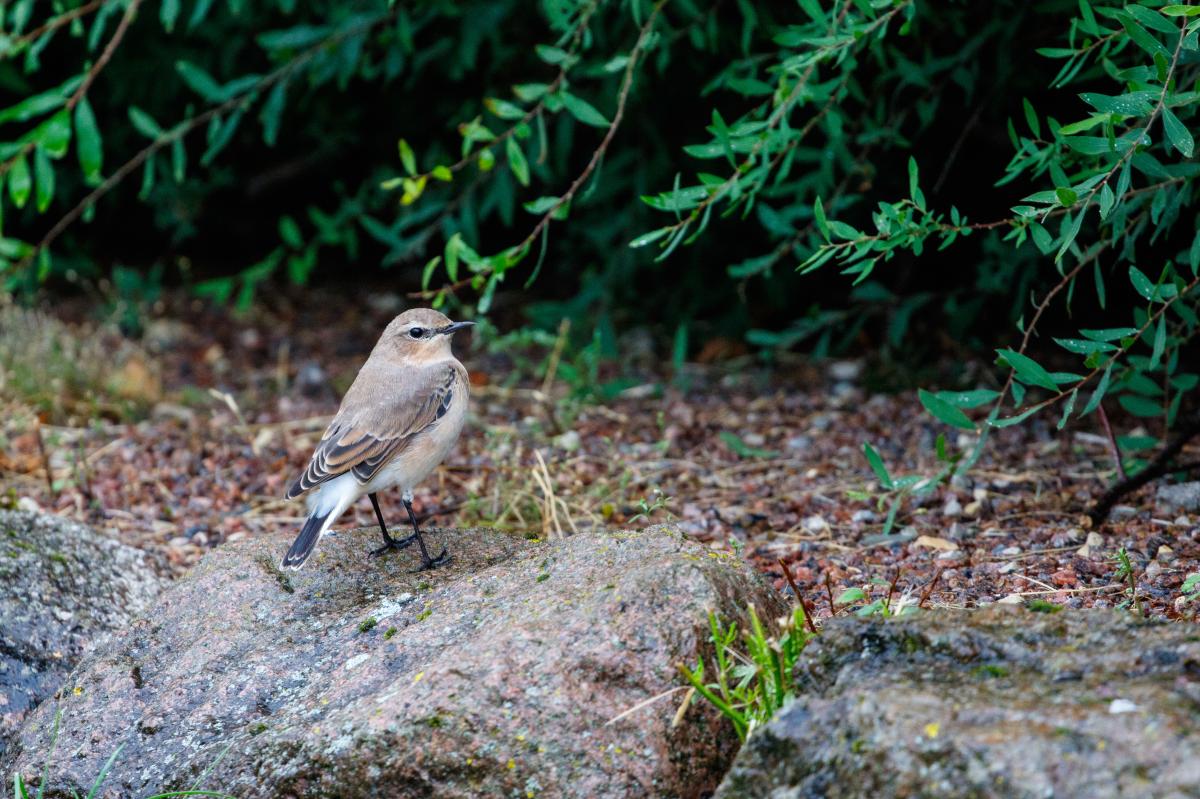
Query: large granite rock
63, 588
493, 676
1001, 702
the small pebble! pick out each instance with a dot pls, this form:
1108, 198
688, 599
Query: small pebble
863, 516
1011, 551
799, 443
1122, 512
973, 508
1093, 544
1154, 569
1122, 706
952, 509
845, 370
815, 524
568, 441
1165, 554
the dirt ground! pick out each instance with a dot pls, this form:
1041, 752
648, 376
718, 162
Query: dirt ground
767, 461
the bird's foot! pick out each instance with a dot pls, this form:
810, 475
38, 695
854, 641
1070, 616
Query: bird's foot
432, 563
393, 543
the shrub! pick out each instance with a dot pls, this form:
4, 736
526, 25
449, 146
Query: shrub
1047, 148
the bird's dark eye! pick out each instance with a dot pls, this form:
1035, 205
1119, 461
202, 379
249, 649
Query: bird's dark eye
416, 332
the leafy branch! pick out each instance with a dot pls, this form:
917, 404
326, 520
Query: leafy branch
488, 272
238, 101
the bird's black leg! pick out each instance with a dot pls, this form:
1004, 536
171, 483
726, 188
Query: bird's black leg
426, 561
388, 542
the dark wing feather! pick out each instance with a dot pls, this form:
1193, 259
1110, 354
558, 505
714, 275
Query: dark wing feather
380, 415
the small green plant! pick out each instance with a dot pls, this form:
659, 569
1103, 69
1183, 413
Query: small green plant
1124, 573
895, 490
886, 606
750, 683
1191, 588
649, 505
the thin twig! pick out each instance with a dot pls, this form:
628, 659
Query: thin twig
929, 589
829, 592
577, 184
1114, 449
52, 24
37, 430
787, 575
1161, 465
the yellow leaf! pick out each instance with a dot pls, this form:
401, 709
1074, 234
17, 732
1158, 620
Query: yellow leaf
933, 542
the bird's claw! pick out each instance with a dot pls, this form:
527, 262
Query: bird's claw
433, 563
393, 543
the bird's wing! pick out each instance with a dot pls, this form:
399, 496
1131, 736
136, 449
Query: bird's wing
380, 414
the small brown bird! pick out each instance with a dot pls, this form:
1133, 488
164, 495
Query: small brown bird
397, 422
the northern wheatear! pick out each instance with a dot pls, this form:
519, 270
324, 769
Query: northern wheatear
396, 423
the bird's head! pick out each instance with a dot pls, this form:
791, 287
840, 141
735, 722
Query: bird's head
422, 334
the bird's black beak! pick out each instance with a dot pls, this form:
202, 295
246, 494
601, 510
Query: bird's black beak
453, 328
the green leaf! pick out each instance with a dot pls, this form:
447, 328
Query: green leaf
168, 12
877, 466
407, 158
1068, 406
1108, 333
944, 411
1144, 285
1142, 38
504, 109
289, 231
968, 399
144, 123
1179, 136
1084, 346
19, 181
1160, 342
640, 241
1180, 10
516, 161
272, 112
1098, 394
1132, 104
851, 595
43, 172
1031, 118
1009, 421
56, 134
200, 81
1028, 370
584, 111
87, 142
819, 218
1066, 197
442, 172
1140, 406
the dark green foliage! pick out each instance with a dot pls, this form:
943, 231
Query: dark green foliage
964, 168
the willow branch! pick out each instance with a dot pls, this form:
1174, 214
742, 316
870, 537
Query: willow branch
593, 162
183, 128
88, 79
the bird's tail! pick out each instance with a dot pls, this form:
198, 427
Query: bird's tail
314, 526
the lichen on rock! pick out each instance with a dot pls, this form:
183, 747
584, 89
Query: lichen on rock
63, 589
476, 679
